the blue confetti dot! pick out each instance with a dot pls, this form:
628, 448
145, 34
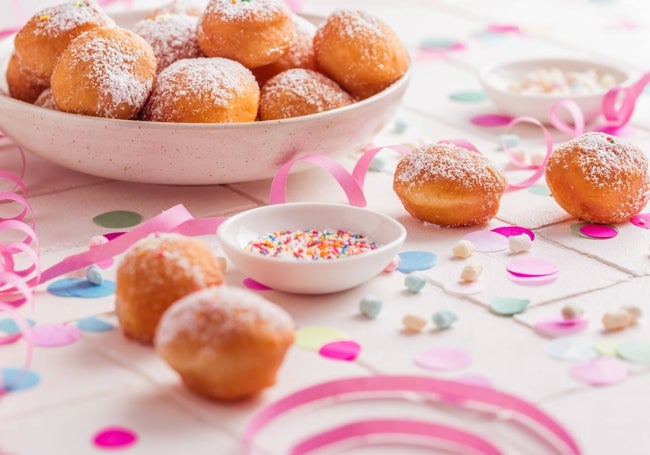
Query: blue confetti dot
80, 287
411, 261
94, 324
14, 379
10, 327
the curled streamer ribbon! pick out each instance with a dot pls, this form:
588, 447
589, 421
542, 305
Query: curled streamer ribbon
619, 102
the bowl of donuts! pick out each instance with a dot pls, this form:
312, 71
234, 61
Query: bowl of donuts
531, 87
197, 91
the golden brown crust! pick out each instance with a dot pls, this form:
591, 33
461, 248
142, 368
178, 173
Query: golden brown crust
225, 343
22, 85
154, 273
448, 185
360, 52
599, 178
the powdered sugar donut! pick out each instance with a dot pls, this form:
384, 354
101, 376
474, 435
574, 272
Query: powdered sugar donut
47, 33
448, 185
106, 72
204, 90
252, 32
46, 100
21, 84
298, 92
599, 178
225, 343
190, 7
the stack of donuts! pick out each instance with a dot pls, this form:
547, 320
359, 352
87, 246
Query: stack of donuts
200, 61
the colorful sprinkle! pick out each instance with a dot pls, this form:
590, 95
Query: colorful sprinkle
115, 438
347, 350
411, 261
118, 219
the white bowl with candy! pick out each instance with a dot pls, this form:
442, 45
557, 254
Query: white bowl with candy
530, 87
311, 248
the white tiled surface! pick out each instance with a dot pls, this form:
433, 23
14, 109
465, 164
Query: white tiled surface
106, 380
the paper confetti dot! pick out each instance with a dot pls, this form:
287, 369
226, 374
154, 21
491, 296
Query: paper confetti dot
94, 324
598, 231
16, 379
503, 28
607, 346
118, 219
571, 349
13, 332
539, 190
81, 287
487, 241
508, 306
52, 335
600, 372
490, 120
509, 231
468, 96
439, 43
464, 287
443, 359
636, 351
255, 285
341, 350
641, 220
531, 266
113, 235
410, 261
313, 338
114, 438
532, 280
554, 328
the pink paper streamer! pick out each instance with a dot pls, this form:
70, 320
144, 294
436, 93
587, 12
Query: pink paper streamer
453, 392
578, 119
361, 167
619, 102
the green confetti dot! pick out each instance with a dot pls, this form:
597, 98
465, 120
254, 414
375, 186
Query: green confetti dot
607, 347
438, 43
508, 306
313, 338
540, 190
468, 96
575, 228
118, 219
634, 351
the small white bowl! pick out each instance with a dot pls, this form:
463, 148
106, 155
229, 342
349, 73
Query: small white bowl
307, 276
495, 80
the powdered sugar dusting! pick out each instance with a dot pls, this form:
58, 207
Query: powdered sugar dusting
68, 16
261, 11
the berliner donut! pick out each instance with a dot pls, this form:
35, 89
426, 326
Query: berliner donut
599, 178
448, 185
46, 100
190, 7
21, 84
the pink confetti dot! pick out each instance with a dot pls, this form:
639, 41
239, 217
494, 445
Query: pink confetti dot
443, 359
561, 327
532, 280
341, 350
487, 241
602, 371
255, 285
52, 335
598, 231
531, 266
641, 220
503, 28
115, 438
490, 120
509, 231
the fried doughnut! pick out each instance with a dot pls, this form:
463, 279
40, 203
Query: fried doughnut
171, 36
21, 84
204, 90
252, 32
360, 52
448, 185
298, 92
106, 72
47, 33
190, 7
154, 273
46, 100
299, 55
225, 343
599, 178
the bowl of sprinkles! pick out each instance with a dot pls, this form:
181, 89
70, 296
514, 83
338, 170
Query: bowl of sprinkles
311, 248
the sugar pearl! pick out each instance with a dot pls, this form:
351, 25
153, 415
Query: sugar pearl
572, 311
464, 249
519, 243
413, 323
444, 319
94, 275
370, 306
634, 311
617, 319
471, 272
415, 281
393, 264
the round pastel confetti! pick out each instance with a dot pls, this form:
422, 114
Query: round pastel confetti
641, 220
94, 324
443, 359
347, 350
508, 306
16, 379
81, 287
575, 229
464, 287
10, 327
52, 335
509, 231
571, 349
531, 266
532, 280
118, 219
636, 351
539, 190
554, 328
438, 43
600, 372
607, 346
490, 120
113, 235
114, 438
411, 261
487, 241
468, 96
313, 338
255, 285
503, 28
598, 231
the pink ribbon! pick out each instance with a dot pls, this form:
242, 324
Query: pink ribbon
575, 113
619, 111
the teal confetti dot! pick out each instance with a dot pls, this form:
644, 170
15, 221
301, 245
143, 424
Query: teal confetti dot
94, 324
80, 287
540, 190
508, 306
118, 219
411, 261
438, 43
10, 327
468, 96
634, 351
15, 379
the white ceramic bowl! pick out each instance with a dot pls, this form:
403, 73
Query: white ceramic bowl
306, 276
496, 78
189, 154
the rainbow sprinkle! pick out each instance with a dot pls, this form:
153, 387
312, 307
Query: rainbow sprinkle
312, 244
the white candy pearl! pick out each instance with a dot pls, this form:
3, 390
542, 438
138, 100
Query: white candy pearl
463, 249
519, 243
